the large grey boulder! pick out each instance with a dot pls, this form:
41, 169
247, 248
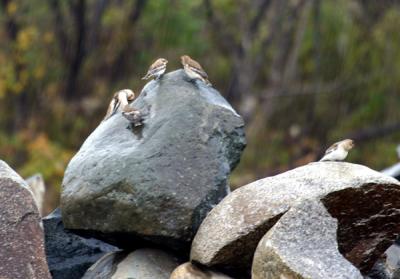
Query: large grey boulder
70, 255
157, 181
302, 245
140, 264
365, 202
21, 235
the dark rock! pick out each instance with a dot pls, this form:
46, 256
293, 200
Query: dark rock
157, 181
21, 235
302, 244
70, 255
139, 264
365, 202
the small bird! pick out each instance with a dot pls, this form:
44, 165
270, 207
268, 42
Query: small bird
194, 70
120, 100
156, 69
134, 116
338, 151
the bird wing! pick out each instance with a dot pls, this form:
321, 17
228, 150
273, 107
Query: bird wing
199, 71
332, 148
153, 71
112, 107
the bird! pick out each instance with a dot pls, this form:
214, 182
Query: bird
338, 151
156, 69
134, 116
119, 101
194, 70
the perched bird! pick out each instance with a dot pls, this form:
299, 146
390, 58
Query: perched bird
134, 116
338, 151
156, 69
194, 70
119, 101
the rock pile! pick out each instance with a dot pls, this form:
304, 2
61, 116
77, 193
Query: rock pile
159, 192
325, 214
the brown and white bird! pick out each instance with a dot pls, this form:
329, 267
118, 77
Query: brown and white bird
134, 116
194, 70
338, 151
157, 69
120, 100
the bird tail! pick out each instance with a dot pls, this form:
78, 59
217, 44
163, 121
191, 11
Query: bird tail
146, 76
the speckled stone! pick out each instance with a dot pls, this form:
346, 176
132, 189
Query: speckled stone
302, 245
140, 264
157, 181
22, 253
365, 202
190, 271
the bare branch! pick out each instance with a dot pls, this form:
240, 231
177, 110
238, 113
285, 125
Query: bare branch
290, 70
374, 132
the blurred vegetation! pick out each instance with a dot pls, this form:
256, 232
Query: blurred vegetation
303, 73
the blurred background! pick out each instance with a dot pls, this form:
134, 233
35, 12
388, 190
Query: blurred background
302, 73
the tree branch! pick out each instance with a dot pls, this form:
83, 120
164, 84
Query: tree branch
374, 132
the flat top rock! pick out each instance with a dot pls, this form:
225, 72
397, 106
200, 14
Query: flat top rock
226, 233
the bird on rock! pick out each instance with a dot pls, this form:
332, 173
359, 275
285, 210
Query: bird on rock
338, 151
134, 116
120, 100
157, 69
194, 70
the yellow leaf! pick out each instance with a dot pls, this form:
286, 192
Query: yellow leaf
12, 8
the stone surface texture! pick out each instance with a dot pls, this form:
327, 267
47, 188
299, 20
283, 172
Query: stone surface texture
21, 235
164, 176
302, 244
140, 264
191, 271
70, 255
38, 188
364, 201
